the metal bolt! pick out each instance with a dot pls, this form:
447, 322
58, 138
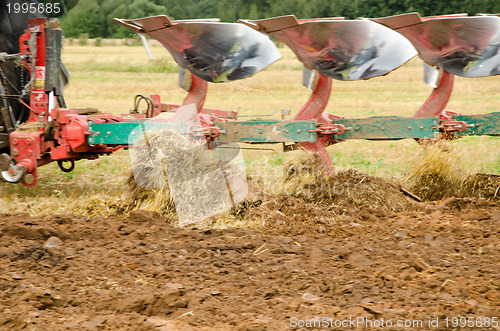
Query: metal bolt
29, 153
409, 128
108, 133
382, 129
15, 152
299, 131
15, 142
422, 127
29, 142
235, 131
357, 128
97, 133
43, 113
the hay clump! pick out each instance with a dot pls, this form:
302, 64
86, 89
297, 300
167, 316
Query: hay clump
349, 188
99, 204
197, 182
437, 173
482, 186
158, 200
152, 154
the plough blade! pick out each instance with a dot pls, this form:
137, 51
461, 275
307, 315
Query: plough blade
340, 49
461, 45
215, 52
431, 75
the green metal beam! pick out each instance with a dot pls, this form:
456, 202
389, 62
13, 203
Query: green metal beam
388, 127
123, 133
275, 131
111, 133
266, 131
485, 124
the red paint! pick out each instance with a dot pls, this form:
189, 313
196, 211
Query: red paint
314, 110
197, 93
435, 104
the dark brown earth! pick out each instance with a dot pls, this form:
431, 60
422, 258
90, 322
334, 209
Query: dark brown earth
309, 260
343, 247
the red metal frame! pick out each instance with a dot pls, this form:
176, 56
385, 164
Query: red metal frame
159, 107
28, 144
437, 101
39, 100
27, 147
314, 109
197, 93
68, 130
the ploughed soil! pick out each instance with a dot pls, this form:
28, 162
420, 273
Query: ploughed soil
307, 260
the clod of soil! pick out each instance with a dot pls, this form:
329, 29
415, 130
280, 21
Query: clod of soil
141, 273
435, 174
348, 188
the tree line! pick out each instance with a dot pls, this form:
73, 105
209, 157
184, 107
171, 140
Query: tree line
93, 17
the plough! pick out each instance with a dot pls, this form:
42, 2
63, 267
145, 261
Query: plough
210, 51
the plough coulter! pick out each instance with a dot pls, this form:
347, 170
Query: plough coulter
36, 127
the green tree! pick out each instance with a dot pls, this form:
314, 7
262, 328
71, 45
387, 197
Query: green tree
84, 18
119, 9
188, 9
95, 16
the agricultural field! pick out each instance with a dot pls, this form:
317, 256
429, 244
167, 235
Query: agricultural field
79, 252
